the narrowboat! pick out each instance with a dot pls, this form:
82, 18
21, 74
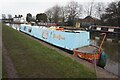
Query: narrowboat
77, 41
109, 30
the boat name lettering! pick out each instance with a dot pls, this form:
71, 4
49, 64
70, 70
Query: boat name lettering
58, 37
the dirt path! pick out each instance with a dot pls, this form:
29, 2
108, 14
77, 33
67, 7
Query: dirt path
9, 66
101, 73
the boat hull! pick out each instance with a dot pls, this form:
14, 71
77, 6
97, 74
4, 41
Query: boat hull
91, 54
66, 40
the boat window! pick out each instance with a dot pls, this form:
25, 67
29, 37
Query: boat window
72, 31
104, 29
98, 28
117, 30
25, 28
93, 28
111, 29
29, 30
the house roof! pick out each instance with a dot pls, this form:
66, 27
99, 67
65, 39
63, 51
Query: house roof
89, 19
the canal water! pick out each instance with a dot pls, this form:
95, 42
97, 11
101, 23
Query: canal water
14, 26
111, 48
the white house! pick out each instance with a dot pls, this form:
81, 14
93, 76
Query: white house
19, 19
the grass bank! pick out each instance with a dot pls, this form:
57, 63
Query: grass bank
32, 59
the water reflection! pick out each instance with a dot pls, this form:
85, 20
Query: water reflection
14, 26
112, 49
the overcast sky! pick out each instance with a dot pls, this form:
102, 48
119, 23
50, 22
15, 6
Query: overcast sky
34, 6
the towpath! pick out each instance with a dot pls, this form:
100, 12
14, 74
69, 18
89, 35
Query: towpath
9, 66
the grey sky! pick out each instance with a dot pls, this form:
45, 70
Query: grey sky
34, 6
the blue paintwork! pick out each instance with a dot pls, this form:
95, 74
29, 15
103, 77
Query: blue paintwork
67, 40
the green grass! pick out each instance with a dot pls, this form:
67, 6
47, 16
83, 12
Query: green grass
32, 59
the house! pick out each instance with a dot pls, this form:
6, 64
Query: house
16, 19
19, 20
87, 21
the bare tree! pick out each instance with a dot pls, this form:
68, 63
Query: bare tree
95, 9
89, 8
3, 16
53, 13
9, 16
73, 11
56, 13
63, 14
49, 14
112, 14
70, 12
99, 9
86, 10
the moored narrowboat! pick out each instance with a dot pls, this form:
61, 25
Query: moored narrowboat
77, 41
109, 30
